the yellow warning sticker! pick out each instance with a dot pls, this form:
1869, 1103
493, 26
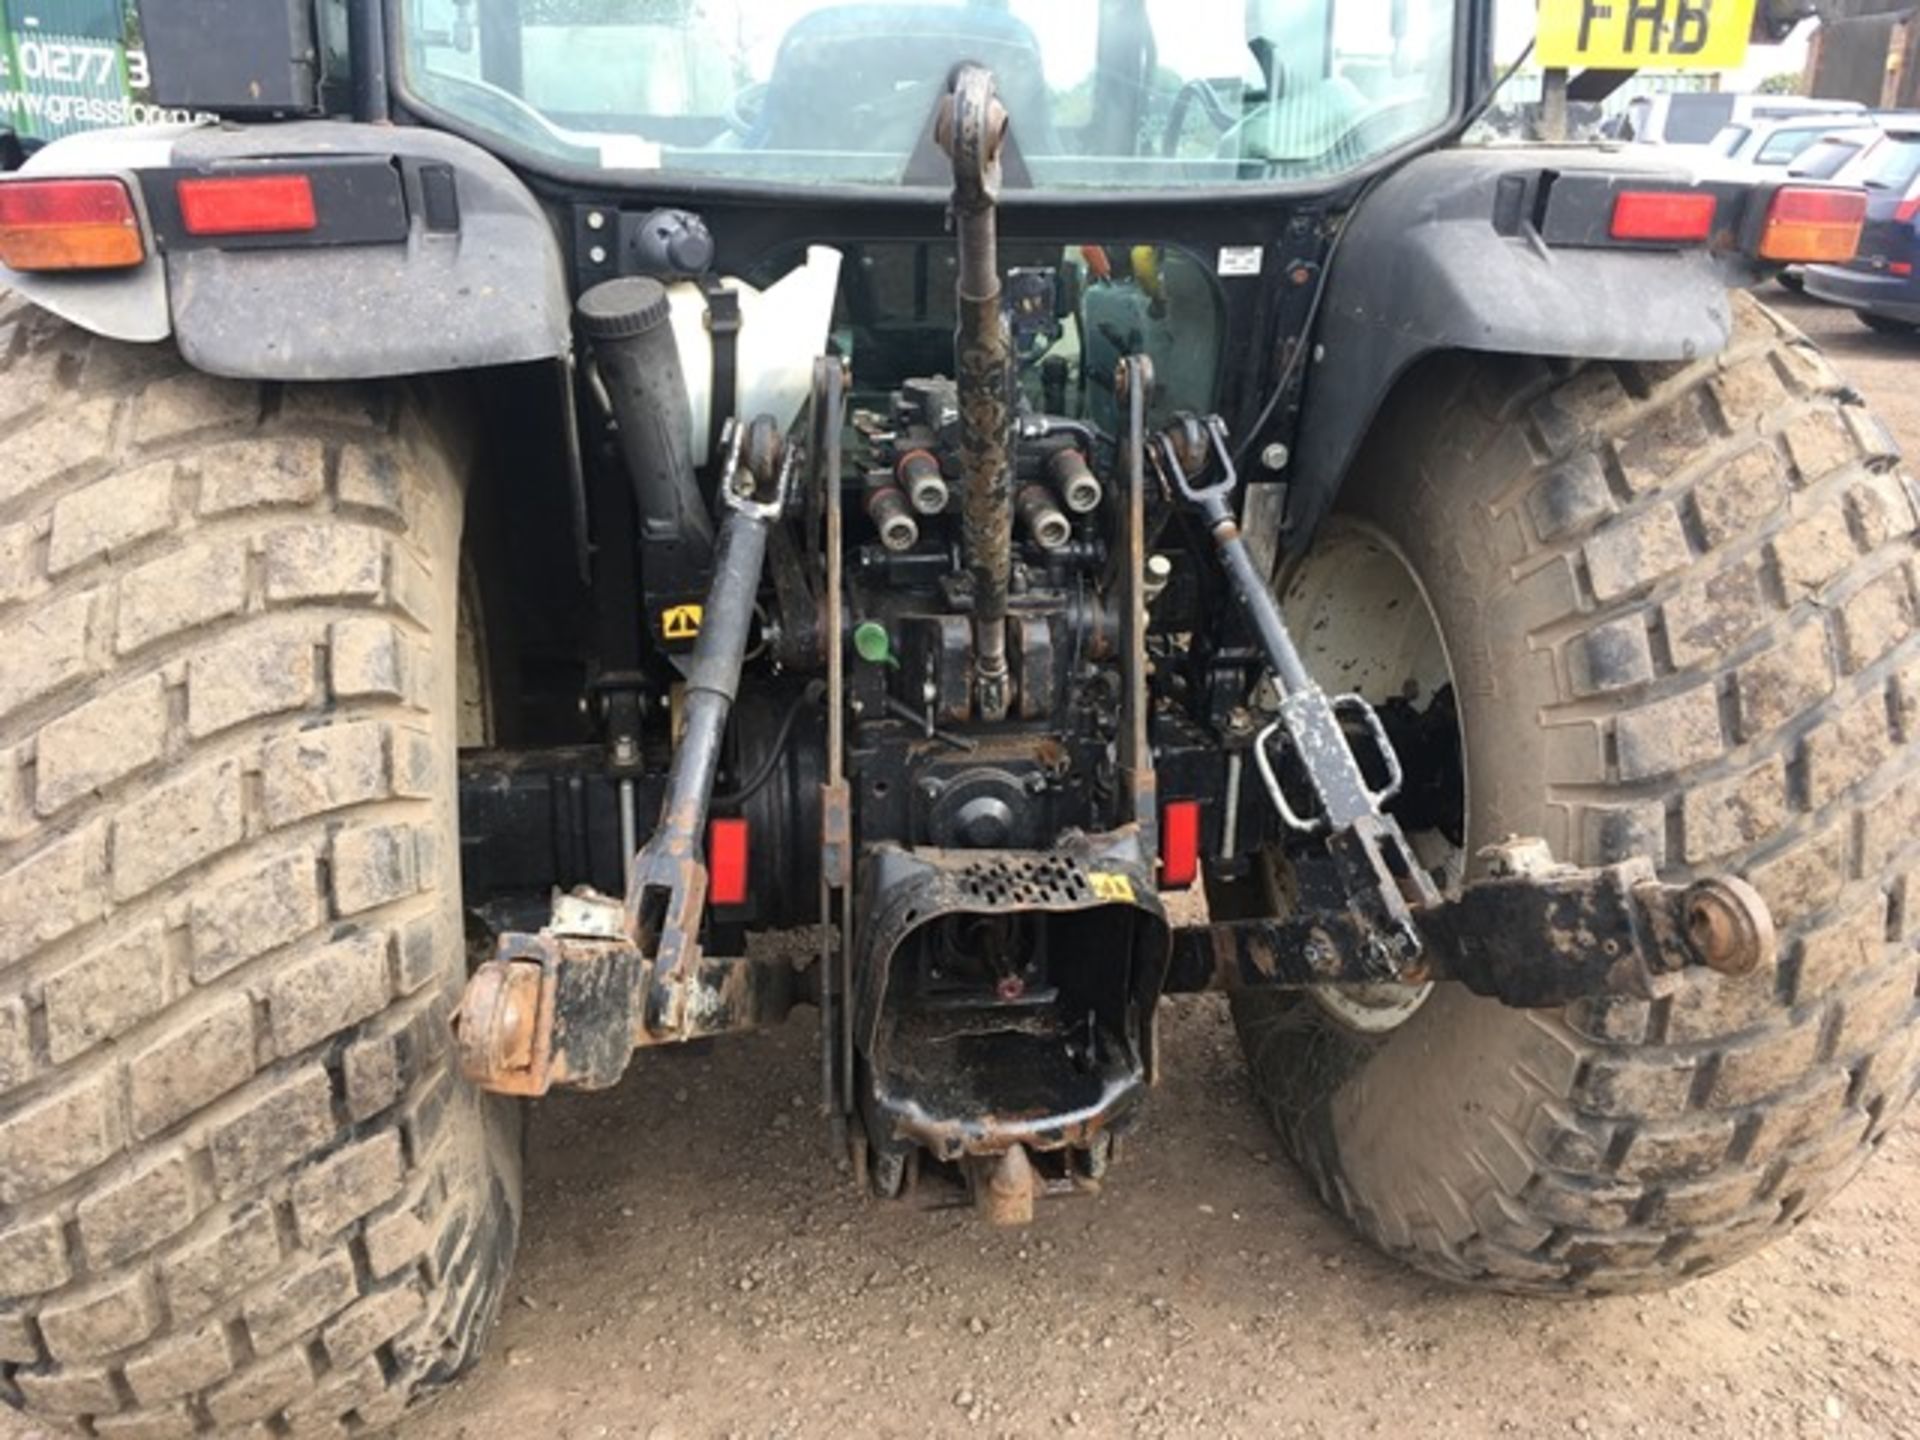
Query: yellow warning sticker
681, 622
1109, 886
1643, 34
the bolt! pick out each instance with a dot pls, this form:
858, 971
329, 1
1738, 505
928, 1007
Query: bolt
1275, 456
598, 255
596, 220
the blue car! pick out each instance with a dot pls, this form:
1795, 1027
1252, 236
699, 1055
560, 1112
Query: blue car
1879, 284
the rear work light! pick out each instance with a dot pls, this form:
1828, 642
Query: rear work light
1675, 216
1806, 224
247, 205
68, 225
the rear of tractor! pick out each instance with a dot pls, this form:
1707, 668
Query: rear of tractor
475, 550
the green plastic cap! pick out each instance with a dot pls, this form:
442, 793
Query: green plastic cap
871, 644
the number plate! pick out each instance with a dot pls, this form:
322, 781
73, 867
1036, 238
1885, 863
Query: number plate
1643, 34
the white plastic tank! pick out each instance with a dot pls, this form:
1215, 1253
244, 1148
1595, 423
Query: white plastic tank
782, 329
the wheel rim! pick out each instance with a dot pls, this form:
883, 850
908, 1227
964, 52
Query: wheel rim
1364, 625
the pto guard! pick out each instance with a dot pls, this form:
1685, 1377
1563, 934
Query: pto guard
1077, 944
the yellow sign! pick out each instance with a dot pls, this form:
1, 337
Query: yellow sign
1109, 886
682, 622
1643, 34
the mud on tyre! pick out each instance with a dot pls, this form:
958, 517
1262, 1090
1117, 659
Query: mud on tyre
239, 1183
1678, 606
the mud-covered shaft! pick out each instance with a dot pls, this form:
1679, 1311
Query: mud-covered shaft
1257, 600
713, 675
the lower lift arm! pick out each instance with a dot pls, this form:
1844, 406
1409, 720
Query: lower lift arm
1532, 933
569, 1005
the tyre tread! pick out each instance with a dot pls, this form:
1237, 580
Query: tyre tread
225, 952
1700, 1125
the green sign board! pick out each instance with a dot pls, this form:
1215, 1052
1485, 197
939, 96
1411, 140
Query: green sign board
72, 65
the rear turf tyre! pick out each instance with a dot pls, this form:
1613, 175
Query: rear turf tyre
240, 1184
1677, 604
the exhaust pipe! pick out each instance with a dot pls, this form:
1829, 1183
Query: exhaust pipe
972, 129
628, 322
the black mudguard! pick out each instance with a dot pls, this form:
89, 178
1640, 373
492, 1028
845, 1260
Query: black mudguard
492, 293
1444, 255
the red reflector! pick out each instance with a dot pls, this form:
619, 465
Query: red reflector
726, 862
68, 225
246, 204
1900, 267
1808, 224
1684, 215
1179, 843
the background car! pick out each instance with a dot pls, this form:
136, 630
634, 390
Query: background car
1775, 144
1696, 117
1879, 284
1836, 149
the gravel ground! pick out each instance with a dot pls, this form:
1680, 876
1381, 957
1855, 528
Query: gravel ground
695, 1266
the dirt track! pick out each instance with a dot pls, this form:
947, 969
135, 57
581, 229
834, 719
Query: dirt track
694, 1267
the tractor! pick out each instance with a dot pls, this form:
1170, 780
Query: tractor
536, 532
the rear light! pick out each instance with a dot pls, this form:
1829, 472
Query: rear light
68, 225
1805, 224
727, 862
1906, 210
1179, 843
247, 205
1683, 216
